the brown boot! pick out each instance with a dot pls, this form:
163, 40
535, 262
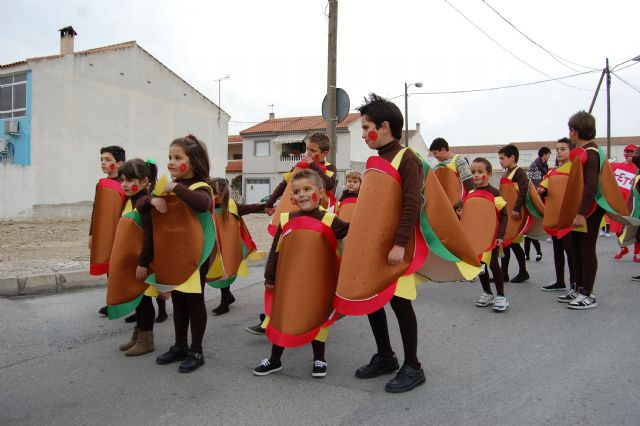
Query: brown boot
131, 342
144, 344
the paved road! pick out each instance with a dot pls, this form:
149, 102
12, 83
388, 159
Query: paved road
539, 363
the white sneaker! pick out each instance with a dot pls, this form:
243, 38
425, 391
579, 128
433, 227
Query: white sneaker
583, 302
602, 233
500, 304
607, 235
485, 300
569, 297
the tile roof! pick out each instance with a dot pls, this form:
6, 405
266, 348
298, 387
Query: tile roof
125, 45
234, 139
472, 149
297, 124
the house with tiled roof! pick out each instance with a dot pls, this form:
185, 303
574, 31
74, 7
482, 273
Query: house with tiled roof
274, 146
57, 111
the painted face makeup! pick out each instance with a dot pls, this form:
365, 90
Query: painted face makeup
135, 188
112, 167
314, 197
182, 168
372, 135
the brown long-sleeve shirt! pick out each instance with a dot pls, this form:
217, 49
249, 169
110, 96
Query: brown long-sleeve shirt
338, 227
244, 209
329, 182
590, 173
146, 255
502, 215
520, 177
412, 177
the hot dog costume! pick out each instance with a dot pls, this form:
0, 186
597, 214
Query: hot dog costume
107, 208
183, 240
531, 212
234, 246
449, 176
299, 308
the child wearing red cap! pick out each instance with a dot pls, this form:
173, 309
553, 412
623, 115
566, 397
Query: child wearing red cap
625, 173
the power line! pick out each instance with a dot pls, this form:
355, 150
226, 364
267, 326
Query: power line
628, 66
510, 52
557, 58
487, 89
626, 82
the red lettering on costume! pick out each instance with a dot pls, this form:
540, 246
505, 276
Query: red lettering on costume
372, 135
314, 197
182, 168
134, 188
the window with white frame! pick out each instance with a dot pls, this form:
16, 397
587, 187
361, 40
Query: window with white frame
13, 95
262, 149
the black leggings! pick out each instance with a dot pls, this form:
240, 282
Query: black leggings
519, 253
583, 252
145, 314
497, 274
318, 352
560, 247
189, 310
527, 246
408, 330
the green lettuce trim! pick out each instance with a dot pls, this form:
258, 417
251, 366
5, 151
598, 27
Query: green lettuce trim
636, 202
135, 216
600, 199
118, 311
223, 283
530, 206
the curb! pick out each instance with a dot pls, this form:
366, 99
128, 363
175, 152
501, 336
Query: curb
61, 281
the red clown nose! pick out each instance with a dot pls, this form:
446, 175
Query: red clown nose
182, 168
372, 135
134, 188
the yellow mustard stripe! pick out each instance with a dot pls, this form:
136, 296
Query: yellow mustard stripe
398, 158
233, 207
406, 287
286, 176
323, 334
151, 291
452, 164
159, 189
128, 208
201, 185
284, 218
499, 202
327, 219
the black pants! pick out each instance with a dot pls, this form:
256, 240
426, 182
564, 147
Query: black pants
560, 247
189, 310
318, 352
145, 314
519, 253
408, 330
494, 265
583, 252
527, 246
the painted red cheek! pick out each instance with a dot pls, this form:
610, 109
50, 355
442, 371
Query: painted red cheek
372, 135
182, 168
112, 167
134, 188
316, 157
314, 197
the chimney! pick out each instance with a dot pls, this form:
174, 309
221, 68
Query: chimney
272, 115
66, 40
417, 127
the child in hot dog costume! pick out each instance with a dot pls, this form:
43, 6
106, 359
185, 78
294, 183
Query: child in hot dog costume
625, 173
234, 243
349, 196
452, 171
384, 244
301, 276
318, 147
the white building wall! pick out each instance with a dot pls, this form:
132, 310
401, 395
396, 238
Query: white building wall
123, 97
17, 191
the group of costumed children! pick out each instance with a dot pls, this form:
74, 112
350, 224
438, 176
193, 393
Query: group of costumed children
331, 259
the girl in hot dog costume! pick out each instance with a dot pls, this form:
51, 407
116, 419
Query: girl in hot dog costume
553, 189
481, 171
301, 275
384, 244
130, 258
234, 243
600, 194
183, 239
318, 147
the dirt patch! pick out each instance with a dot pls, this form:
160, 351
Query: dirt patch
43, 247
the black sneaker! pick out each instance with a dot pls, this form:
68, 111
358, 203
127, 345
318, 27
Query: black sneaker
265, 368
193, 361
103, 311
161, 317
520, 278
255, 329
538, 257
406, 379
131, 318
377, 366
172, 355
635, 278
319, 369
220, 309
554, 287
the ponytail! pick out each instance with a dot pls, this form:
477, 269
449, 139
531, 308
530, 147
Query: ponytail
220, 188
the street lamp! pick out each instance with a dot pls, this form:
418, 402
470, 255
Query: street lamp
226, 77
406, 110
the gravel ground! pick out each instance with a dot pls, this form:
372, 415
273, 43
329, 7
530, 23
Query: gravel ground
42, 247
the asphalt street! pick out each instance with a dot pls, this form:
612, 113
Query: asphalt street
538, 363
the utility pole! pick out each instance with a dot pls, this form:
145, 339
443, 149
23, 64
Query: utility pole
406, 115
595, 95
608, 110
331, 78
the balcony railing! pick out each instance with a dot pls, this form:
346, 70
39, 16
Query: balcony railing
291, 158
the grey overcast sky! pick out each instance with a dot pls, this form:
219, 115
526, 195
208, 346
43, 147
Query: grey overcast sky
276, 53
